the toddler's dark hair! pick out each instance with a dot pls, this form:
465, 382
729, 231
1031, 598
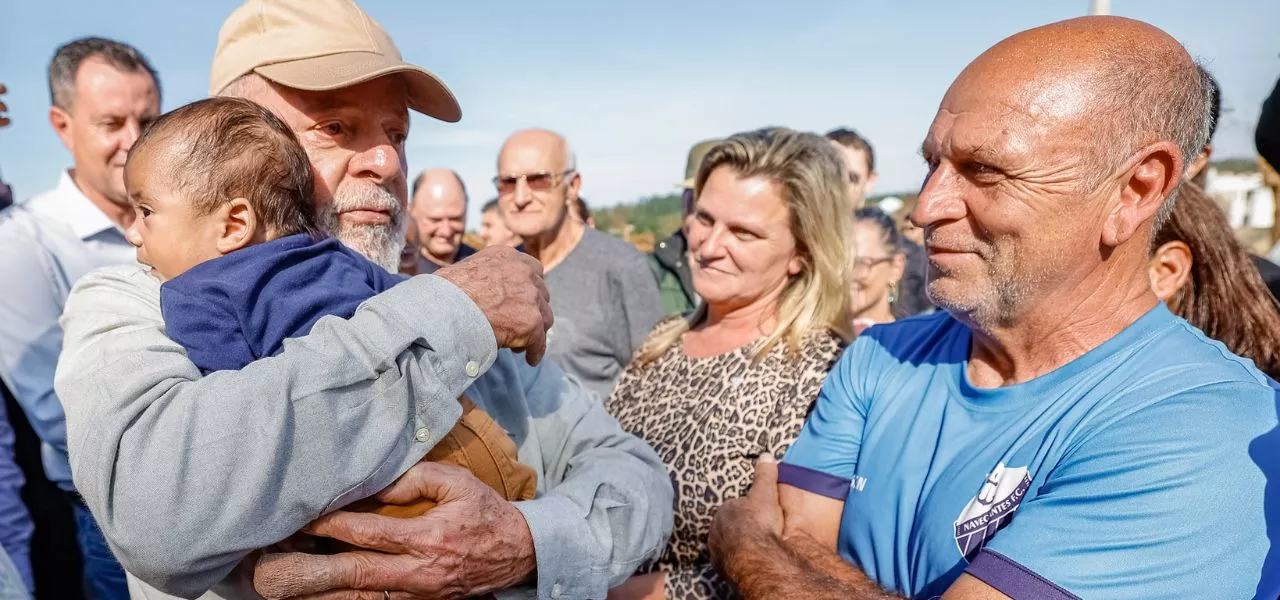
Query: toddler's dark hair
234, 148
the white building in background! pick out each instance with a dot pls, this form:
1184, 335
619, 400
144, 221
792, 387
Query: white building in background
1248, 203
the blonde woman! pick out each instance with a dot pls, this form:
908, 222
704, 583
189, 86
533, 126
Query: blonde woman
770, 237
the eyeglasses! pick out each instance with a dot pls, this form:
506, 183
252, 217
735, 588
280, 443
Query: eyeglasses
866, 263
538, 182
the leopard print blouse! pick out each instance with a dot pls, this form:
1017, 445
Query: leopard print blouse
709, 418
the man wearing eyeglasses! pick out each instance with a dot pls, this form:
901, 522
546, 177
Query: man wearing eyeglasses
603, 294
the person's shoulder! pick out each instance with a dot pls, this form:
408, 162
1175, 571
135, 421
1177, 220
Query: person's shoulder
42, 202
612, 248
916, 344
918, 334
18, 227
135, 276
1182, 353
824, 340
1177, 374
30, 237
820, 348
666, 324
26, 220
120, 290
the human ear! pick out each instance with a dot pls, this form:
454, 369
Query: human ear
1155, 172
575, 186
795, 264
239, 226
61, 122
1169, 269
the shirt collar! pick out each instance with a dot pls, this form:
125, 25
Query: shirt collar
80, 213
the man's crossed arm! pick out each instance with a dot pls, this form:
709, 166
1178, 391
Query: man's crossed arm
779, 542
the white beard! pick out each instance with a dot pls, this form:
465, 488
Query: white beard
379, 243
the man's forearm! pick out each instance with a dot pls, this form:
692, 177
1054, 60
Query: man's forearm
766, 568
836, 567
245, 458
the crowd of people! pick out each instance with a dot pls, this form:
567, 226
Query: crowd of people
257, 358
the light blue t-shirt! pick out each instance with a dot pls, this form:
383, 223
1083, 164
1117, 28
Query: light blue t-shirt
1147, 468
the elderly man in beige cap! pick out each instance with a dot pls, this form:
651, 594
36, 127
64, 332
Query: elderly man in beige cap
189, 475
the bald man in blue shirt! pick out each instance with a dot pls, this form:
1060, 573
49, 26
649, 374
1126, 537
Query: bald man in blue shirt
1057, 433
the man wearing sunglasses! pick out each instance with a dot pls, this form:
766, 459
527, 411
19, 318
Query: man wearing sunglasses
603, 294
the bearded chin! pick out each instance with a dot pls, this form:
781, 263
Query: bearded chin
381, 244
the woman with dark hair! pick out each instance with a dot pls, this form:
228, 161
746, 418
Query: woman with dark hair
878, 266
1206, 277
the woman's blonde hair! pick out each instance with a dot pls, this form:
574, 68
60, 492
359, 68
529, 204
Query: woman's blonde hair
811, 176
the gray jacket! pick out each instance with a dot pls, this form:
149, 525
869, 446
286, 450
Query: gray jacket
188, 475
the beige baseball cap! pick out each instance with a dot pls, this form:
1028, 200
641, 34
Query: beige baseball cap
320, 45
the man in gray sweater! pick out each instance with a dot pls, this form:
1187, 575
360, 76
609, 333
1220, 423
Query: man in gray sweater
603, 293
189, 474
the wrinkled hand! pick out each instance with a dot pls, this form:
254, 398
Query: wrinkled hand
4, 109
507, 285
474, 542
758, 514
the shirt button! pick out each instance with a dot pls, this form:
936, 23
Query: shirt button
736, 380
556, 590
422, 435
473, 369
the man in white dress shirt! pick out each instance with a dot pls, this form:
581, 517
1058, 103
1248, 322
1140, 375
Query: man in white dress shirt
103, 93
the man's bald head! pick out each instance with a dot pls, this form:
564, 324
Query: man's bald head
439, 208
543, 141
1126, 84
537, 183
1053, 158
445, 181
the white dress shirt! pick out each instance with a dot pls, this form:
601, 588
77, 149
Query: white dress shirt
46, 244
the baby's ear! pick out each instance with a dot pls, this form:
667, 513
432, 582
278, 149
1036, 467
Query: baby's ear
240, 226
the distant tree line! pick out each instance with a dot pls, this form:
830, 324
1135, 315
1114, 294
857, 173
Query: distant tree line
1236, 165
658, 215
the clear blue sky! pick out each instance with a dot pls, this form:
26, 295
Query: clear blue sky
632, 85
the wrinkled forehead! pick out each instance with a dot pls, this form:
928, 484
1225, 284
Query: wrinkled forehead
987, 110
531, 154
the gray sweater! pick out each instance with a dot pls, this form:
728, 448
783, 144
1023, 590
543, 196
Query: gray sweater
605, 301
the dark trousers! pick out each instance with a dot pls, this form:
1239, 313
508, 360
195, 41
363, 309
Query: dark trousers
103, 575
55, 555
